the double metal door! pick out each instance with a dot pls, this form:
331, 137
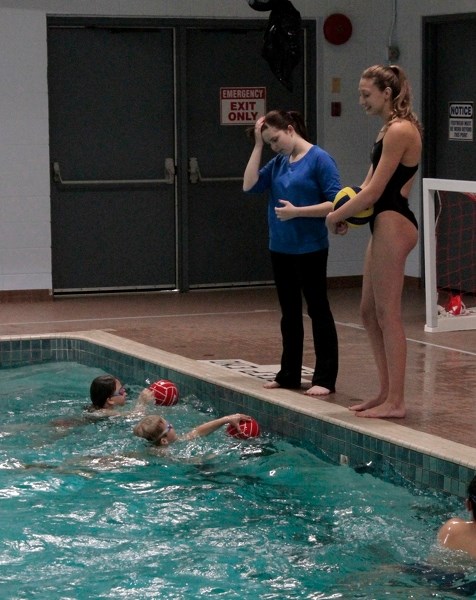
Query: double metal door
145, 174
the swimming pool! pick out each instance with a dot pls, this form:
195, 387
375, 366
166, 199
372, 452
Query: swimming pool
425, 460
88, 512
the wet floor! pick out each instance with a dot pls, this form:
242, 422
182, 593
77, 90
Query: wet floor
244, 324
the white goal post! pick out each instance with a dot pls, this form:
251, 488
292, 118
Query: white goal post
436, 322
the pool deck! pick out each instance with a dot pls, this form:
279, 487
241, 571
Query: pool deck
233, 335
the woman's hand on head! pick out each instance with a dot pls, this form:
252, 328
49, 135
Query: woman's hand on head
286, 211
258, 127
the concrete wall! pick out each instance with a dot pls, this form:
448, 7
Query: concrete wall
25, 239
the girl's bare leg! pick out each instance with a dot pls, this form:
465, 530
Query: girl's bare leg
369, 319
393, 239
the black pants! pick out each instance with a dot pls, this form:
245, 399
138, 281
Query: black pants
298, 275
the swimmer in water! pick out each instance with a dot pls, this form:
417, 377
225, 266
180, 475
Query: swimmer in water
160, 432
107, 394
458, 534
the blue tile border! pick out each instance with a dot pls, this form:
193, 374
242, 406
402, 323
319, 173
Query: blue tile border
361, 451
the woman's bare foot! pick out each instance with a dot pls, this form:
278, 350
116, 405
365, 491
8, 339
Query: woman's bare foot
318, 390
271, 385
387, 410
367, 404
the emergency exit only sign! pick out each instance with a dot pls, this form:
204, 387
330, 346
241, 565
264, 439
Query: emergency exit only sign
242, 105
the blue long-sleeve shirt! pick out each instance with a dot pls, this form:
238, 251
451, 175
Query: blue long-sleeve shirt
311, 180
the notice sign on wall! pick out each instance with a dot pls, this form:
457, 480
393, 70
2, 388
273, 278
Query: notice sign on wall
460, 116
242, 105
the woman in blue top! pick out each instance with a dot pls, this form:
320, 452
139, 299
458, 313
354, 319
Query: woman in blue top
301, 175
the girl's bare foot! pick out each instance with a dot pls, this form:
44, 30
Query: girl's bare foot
367, 404
271, 385
387, 410
317, 390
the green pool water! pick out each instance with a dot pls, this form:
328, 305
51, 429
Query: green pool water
90, 511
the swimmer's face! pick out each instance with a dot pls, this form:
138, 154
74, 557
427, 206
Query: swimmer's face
165, 433
120, 394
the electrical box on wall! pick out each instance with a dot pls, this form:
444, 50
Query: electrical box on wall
336, 109
393, 53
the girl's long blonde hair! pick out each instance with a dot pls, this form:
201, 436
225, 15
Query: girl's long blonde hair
394, 77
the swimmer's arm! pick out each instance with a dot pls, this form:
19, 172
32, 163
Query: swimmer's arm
69, 422
101, 413
211, 426
145, 397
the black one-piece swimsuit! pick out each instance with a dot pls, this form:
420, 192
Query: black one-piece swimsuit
392, 199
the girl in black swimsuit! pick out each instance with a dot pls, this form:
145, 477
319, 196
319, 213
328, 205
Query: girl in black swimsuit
385, 92
392, 199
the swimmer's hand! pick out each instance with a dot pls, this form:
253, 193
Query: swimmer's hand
287, 211
211, 426
236, 419
146, 396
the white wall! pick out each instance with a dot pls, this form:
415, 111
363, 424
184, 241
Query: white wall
25, 240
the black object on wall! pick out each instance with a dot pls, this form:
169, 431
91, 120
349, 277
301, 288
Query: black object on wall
282, 44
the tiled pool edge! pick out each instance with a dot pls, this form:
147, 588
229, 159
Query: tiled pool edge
426, 460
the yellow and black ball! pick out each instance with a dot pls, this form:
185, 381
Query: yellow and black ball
360, 218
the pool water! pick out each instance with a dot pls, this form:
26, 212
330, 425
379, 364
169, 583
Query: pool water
90, 511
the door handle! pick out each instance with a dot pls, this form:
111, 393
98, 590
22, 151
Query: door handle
196, 177
169, 167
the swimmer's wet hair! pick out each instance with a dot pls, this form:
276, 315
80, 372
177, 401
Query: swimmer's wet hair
102, 388
149, 428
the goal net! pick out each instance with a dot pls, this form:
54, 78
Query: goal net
449, 225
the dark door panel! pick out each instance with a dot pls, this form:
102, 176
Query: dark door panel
228, 236
111, 120
450, 48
